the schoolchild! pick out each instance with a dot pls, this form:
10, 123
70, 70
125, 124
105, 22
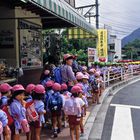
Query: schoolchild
55, 107
4, 128
46, 77
48, 94
64, 91
84, 104
5, 90
65, 94
86, 87
91, 75
28, 92
72, 109
18, 112
79, 77
38, 97
96, 87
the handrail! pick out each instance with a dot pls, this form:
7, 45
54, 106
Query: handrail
110, 77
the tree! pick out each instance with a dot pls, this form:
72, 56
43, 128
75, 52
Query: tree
132, 49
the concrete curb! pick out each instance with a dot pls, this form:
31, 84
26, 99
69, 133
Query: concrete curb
109, 91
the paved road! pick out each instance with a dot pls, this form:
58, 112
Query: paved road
122, 121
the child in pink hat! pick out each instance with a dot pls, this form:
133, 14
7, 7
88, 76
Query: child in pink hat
5, 90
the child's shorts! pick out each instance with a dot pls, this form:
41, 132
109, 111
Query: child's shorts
56, 113
95, 91
73, 120
36, 124
14, 131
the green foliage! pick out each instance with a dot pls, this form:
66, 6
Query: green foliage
76, 46
82, 55
132, 49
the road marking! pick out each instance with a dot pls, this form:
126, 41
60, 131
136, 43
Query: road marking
122, 125
125, 106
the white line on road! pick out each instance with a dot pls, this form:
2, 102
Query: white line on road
125, 106
122, 125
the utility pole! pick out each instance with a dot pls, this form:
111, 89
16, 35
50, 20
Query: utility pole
97, 14
91, 11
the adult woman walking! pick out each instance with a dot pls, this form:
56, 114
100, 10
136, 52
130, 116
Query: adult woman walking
68, 76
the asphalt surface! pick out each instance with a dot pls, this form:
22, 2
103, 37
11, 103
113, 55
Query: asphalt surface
122, 121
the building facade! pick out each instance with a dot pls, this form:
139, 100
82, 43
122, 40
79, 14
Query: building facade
114, 48
71, 2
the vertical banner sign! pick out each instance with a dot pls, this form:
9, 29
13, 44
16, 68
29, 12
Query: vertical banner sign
102, 45
92, 55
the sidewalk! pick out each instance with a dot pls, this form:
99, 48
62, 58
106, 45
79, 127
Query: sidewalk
92, 111
65, 134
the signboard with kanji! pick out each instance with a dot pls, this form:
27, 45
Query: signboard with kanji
92, 55
102, 45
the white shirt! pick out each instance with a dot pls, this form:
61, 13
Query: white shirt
81, 102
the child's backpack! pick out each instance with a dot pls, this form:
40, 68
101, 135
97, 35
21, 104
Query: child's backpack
25, 126
1, 128
72, 107
31, 112
55, 102
57, 75
6, 109
3, 101
47, 97
94, 85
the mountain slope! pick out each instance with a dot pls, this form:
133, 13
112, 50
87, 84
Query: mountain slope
134, 35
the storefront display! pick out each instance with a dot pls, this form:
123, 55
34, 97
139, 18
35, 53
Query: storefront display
30, 44
6, 39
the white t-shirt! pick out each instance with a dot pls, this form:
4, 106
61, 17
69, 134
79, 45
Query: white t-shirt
81, 102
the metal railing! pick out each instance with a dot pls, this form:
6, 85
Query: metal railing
120, 74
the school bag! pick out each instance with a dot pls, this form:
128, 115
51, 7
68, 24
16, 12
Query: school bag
72, 107
47, 97
1, 128
6, 109
55, 102
32, 115
57, 75
94, 85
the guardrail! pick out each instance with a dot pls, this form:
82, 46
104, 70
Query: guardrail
120, 74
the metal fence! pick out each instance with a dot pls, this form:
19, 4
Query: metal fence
120, 74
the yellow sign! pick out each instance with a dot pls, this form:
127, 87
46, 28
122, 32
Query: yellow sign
76, 33
102, 43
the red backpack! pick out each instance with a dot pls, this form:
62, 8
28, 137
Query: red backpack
6, 109
31, 113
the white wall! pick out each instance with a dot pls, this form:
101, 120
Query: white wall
118, 48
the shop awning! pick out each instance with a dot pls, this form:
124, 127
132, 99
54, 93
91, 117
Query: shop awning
78, 33
60, 13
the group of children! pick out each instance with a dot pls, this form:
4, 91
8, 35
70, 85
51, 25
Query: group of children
28, 109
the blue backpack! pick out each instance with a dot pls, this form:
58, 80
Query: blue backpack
94, 85
57, 75
55, 102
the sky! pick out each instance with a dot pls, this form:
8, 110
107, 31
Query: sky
121, 16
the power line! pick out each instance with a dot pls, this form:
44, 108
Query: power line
116, 22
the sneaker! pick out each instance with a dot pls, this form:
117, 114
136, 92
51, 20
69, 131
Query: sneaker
58, 130
65, 124
82, 134
55, 133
